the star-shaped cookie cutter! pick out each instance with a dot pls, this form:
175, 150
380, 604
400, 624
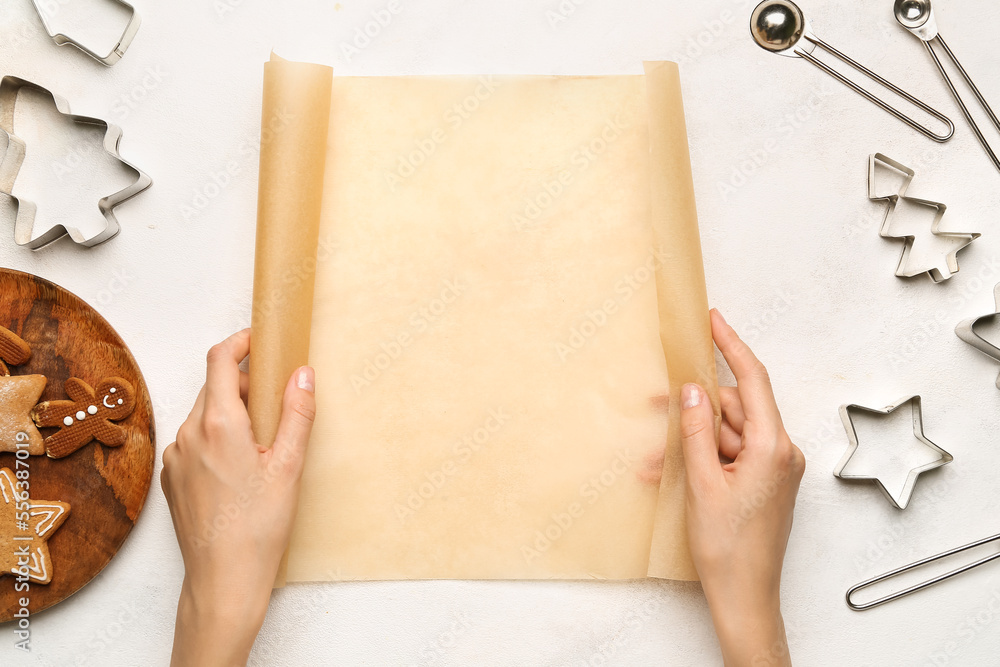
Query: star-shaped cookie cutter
918, 432
131, 28
904, 269
10, 165
966, 331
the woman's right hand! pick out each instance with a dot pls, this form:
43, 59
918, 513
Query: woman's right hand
741, 491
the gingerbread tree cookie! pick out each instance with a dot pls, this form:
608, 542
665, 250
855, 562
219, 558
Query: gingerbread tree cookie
24, 534
13, 350
18, 395
88, 415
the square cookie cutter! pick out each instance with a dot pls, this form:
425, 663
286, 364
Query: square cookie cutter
918, 432
10, 165
131, 28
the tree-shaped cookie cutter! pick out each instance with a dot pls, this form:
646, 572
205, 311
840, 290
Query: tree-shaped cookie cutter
131, 28
904, 269
13, 157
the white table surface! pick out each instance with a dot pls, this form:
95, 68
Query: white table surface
792, 257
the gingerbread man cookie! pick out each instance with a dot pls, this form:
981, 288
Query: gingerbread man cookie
13, 351
86, 416
25, 528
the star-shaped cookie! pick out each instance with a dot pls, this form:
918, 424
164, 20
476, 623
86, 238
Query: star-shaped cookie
902, 499
944, 246
966, 331
24, 549
18, 396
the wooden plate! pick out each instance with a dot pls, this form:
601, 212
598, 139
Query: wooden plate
105, 486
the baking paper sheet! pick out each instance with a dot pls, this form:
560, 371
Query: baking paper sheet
494, 278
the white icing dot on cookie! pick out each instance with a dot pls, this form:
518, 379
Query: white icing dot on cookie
68, 421
81, 415
120, 401
113, 390
92, 409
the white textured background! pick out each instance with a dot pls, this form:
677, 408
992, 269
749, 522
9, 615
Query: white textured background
792, 257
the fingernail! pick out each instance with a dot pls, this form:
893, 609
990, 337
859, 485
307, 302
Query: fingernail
719, 313
306, 379
690, 396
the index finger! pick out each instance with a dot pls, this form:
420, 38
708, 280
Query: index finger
223, 378
752, 381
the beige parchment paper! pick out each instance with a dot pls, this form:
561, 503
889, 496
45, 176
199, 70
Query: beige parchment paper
502, 294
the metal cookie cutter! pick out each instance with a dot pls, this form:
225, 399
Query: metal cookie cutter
119, 49
903, 499
24, 225
779, 26
924, 584
918, 17
966, 331
907, 268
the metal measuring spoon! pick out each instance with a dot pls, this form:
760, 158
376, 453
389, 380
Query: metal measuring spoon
779, 26
917, 16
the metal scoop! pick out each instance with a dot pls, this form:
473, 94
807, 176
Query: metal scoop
918, 17
780, 27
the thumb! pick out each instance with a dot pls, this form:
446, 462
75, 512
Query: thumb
298, 411
701, 451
